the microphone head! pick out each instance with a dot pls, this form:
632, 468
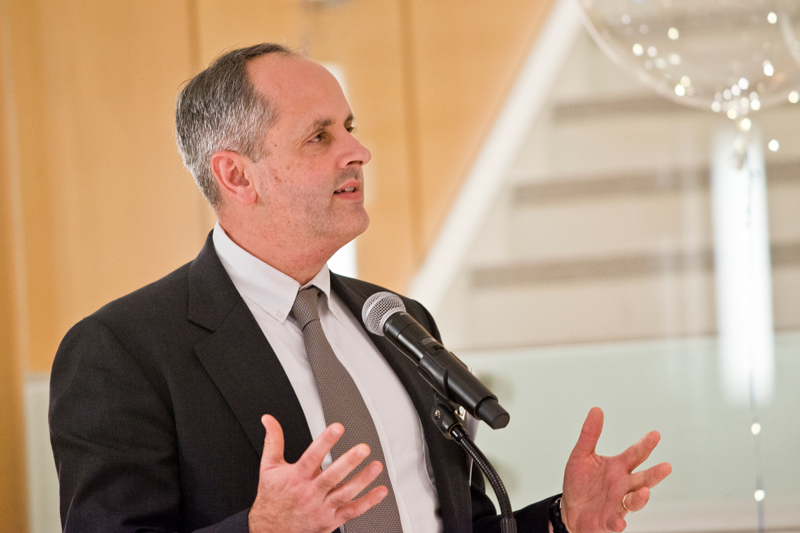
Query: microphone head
378, 308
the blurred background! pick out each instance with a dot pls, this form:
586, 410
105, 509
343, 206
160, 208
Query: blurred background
596, 199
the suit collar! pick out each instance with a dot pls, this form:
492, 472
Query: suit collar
212, 294
239, 359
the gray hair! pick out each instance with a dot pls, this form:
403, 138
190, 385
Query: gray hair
220, 109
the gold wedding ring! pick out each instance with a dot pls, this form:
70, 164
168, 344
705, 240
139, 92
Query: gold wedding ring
625, 506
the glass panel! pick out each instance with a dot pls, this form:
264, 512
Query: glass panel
670, 385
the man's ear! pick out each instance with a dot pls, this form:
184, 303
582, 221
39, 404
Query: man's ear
231, 170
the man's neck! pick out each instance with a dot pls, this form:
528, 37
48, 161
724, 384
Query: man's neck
299, 263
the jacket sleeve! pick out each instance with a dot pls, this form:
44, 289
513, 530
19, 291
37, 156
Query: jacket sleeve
530, 519
114, 440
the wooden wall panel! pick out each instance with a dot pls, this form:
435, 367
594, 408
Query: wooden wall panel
13, 504
466, 58
107, 205
224, 25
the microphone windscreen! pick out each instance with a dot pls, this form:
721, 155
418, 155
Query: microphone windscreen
378, 308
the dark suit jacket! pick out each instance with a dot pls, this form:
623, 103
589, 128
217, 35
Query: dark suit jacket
155, 407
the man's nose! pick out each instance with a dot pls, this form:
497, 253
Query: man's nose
356, 153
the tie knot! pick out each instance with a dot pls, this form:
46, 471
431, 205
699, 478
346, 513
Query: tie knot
305, 309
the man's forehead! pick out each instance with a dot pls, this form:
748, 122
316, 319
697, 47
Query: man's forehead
301, 89
278, 75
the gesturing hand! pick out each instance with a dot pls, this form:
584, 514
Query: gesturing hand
595, 485
303, 498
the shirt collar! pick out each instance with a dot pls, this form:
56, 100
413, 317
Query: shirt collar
267, 287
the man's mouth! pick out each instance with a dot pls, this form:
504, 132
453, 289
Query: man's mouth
349, 182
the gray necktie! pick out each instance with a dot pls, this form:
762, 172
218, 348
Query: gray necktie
341, 402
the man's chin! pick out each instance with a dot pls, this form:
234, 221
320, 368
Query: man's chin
358, 229
365, 224
343, 233
357, 224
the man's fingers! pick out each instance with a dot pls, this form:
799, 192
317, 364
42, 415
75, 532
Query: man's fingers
341, 467
273, 442
590, 432
361, 505
354, 486
311, 460
617, 524
636, 500
639, 452
650, 477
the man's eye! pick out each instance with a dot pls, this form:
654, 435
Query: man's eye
317, 138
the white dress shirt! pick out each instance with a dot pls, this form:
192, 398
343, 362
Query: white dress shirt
270, 295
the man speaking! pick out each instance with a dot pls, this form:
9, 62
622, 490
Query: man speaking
242, 393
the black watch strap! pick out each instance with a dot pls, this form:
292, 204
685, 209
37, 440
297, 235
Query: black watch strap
555, 517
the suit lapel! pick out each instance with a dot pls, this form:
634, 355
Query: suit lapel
447, 459
239, 359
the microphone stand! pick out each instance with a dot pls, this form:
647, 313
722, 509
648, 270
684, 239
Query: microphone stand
384, 314
445, 418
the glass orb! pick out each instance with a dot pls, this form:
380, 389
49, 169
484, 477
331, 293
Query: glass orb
730, 56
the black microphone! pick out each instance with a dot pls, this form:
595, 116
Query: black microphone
385, 314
